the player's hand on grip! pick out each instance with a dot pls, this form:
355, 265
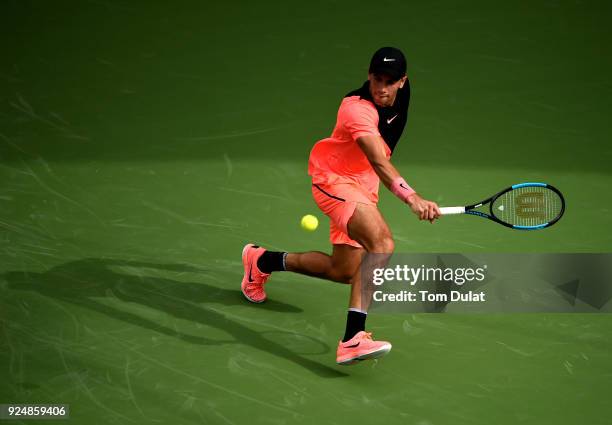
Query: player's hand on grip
425, 210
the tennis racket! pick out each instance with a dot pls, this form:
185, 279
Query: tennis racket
524, 206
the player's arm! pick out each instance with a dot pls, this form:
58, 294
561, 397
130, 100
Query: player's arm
391, 178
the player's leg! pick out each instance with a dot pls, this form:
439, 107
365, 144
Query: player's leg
341, 266
260, 263
368, 227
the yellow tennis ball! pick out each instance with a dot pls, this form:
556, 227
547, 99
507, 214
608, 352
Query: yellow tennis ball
309, 222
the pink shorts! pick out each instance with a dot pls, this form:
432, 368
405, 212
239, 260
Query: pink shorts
338, 202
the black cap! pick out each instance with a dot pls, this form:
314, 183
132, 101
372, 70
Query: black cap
389, 61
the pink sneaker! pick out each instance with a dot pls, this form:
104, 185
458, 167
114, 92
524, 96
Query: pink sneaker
361, 347
254, 279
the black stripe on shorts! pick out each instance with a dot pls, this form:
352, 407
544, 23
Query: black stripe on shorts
329, 194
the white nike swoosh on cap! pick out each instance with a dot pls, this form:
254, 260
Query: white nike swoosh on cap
388, 59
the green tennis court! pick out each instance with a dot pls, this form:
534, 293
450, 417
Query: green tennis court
142, 144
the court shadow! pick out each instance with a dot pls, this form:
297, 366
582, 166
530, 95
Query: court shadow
98, 284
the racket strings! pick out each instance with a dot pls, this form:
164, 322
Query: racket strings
528, 206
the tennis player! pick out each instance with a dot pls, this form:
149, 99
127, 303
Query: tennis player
346, 170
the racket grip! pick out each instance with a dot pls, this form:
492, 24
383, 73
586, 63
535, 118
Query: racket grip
452, 210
